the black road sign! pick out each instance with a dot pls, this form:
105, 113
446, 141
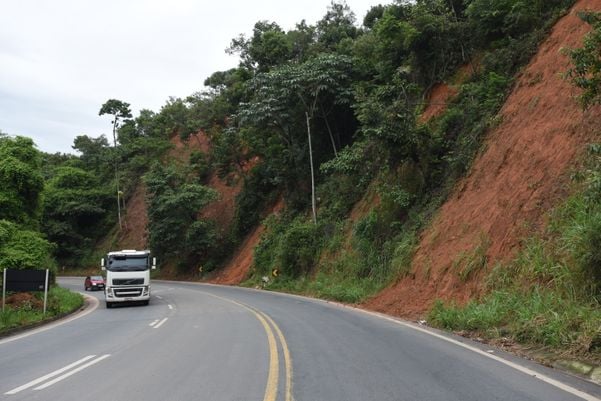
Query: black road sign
25, 280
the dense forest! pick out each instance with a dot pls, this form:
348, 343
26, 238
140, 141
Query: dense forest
318, 116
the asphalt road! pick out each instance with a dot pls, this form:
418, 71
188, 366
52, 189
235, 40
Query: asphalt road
202, 342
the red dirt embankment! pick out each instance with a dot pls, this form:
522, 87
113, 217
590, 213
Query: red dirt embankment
222, 210
437, 101
520, 174
237, 268
443, 92
134, 234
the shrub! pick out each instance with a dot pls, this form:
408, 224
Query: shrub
299, 248
586, 72
24, 249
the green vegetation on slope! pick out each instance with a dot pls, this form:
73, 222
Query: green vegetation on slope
586, 73
174, 202
22, 245
410, 166
317, 112
550, 294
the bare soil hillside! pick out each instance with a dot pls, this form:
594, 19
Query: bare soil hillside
222, 211
238, 267
520, 174
134, 234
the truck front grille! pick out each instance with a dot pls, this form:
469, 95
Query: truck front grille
127, 292
128, 281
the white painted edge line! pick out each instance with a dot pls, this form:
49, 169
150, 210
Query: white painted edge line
79, 369
159, 297
48, 376
161, 323
170, 307
94, 301
154, 322
523, 369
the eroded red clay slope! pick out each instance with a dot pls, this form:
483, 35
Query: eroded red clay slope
520, 174
134, 234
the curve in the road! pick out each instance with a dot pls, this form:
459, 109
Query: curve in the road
269, 325
218, 343
88, 308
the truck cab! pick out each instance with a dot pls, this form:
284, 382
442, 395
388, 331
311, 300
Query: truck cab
127, 276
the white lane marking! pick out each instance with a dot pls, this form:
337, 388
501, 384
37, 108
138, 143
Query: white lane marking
159, 297
154, 322
170, 306
79, 369
161, 323
93, 300
48, 376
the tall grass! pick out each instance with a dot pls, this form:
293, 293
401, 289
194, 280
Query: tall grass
549, 295
340, 261
535, 316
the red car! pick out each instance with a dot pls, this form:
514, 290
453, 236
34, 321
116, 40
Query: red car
94, 283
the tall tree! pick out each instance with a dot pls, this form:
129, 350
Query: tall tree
293, 93
120, 111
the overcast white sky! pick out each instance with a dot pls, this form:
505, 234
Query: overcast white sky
60, 60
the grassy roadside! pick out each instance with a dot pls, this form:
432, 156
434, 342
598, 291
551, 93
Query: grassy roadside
26, 309
549, 296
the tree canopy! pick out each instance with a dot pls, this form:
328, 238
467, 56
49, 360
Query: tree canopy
21, 181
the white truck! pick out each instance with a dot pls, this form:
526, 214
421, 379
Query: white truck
127, 276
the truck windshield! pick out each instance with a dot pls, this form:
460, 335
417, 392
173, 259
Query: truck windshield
129, 263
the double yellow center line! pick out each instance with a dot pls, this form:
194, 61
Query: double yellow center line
271, 390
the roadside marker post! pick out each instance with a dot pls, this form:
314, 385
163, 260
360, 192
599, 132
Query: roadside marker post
3, 288
46, 292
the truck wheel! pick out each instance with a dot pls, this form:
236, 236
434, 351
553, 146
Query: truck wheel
109, 305
145, 302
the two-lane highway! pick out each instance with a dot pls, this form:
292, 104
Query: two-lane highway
203, 342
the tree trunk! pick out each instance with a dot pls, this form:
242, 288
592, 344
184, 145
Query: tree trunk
117, 172
313, 203
331, 136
